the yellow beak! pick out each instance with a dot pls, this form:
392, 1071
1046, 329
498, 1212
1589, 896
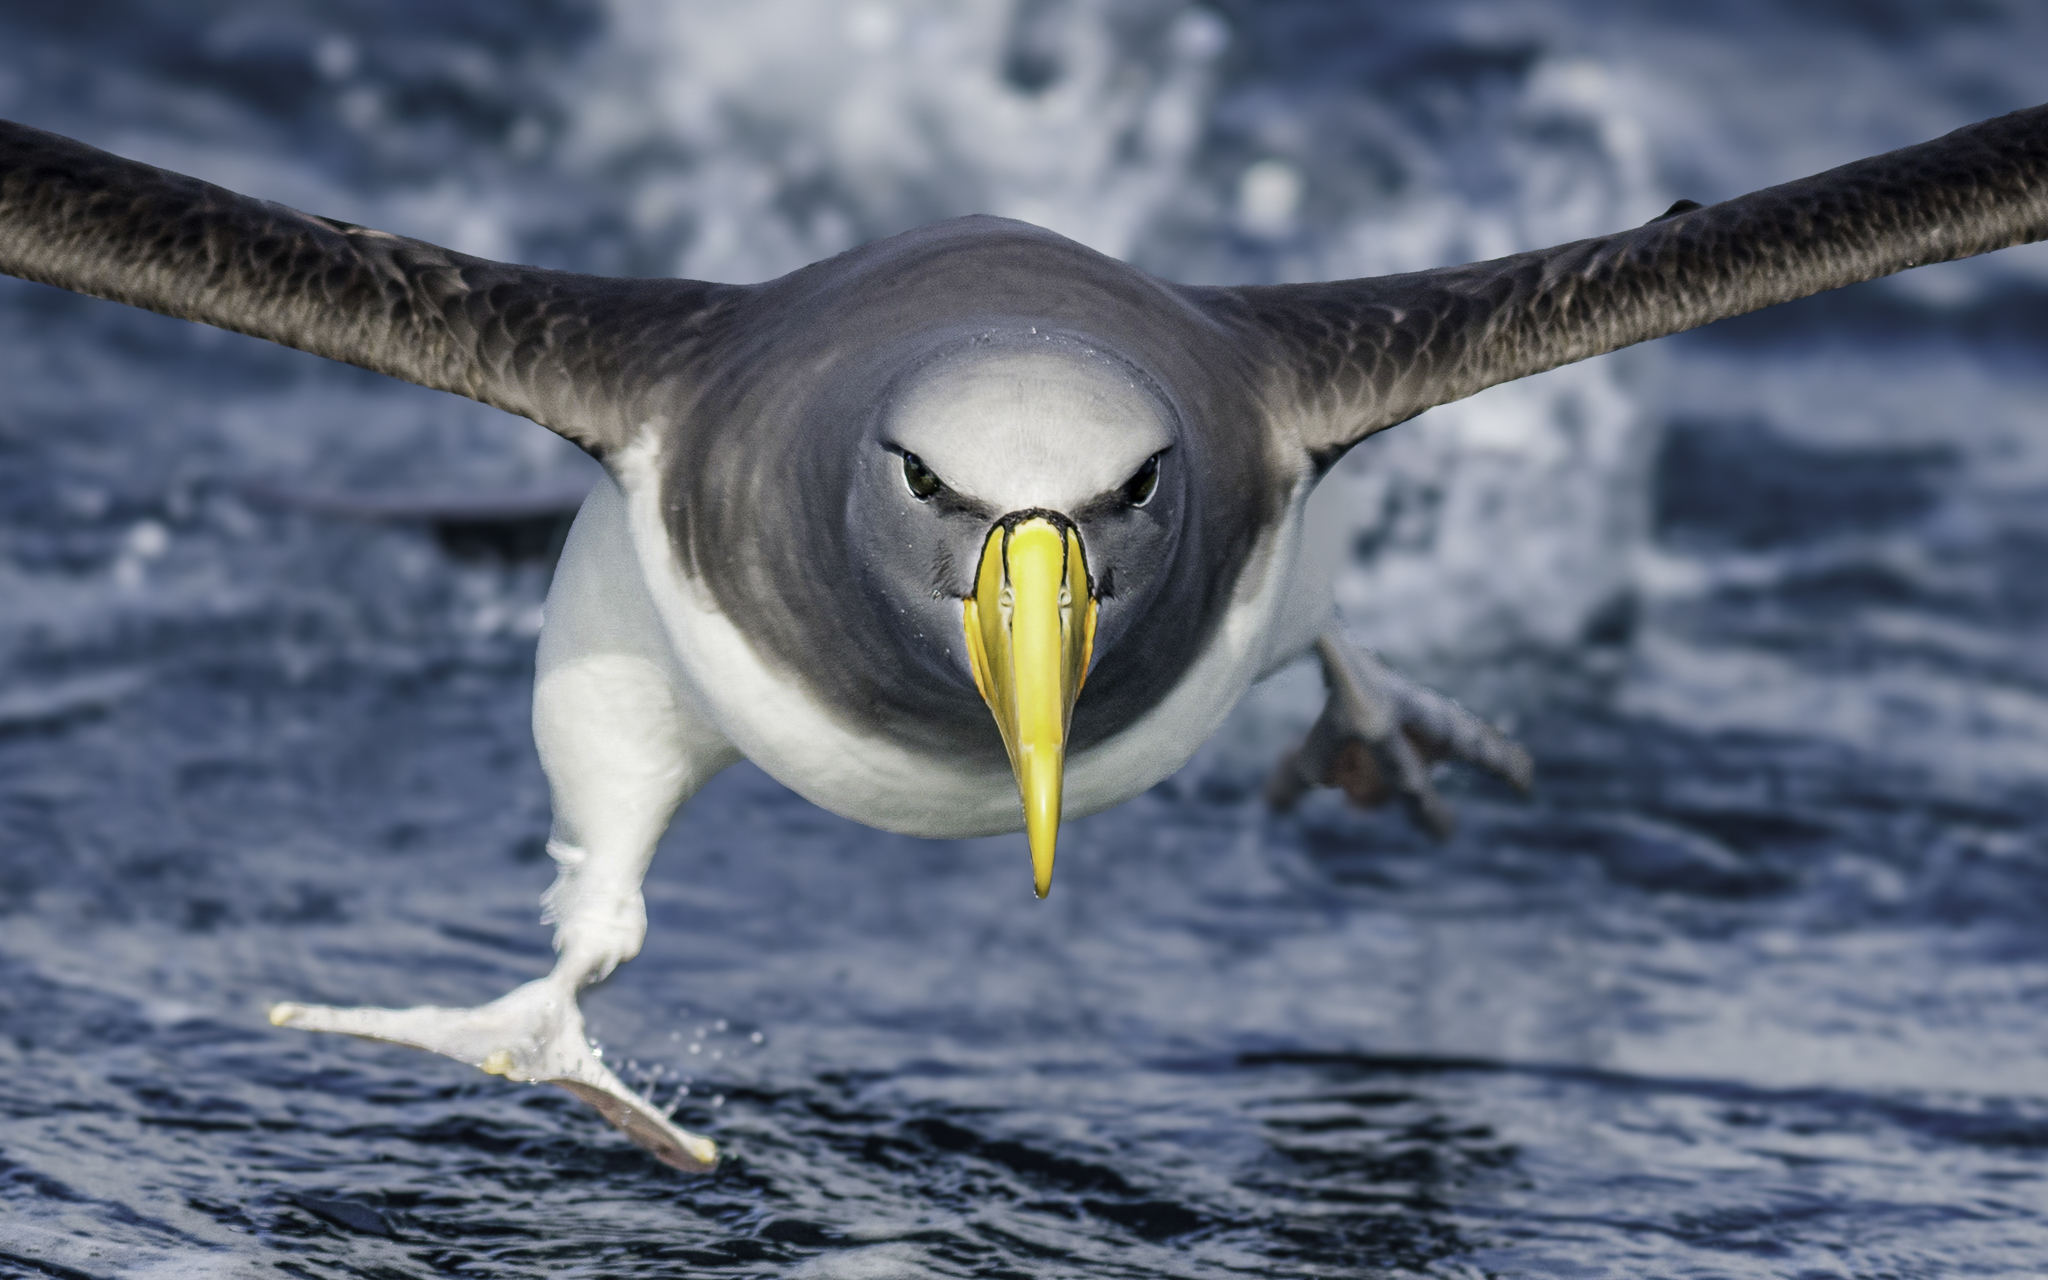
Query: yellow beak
1030, 632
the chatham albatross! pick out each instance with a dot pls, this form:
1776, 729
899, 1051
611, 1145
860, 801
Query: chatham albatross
965, 517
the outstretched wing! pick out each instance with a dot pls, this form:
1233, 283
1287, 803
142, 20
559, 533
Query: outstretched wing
1357, 356
572, 352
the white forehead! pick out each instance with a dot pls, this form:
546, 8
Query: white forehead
1044, 427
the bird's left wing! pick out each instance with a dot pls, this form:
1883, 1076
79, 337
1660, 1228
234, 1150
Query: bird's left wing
1352, 357
572, 352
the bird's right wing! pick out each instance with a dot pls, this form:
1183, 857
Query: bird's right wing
1356, 356
572, 352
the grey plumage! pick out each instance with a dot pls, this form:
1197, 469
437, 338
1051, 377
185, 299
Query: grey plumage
1363, 355
1263, 382
758, 465
567, 350
560, 348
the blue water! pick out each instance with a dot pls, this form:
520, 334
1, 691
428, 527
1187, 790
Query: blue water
1756, 985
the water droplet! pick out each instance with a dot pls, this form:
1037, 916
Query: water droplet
147, 540
1268, 196
334, 56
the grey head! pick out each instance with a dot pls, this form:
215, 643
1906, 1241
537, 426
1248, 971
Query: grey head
836, 487
1003, 425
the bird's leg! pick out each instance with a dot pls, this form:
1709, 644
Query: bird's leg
1380, 732
623, 745
618, 766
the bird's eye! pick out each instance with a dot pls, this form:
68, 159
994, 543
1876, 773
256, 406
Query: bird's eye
921, 480
1138, 490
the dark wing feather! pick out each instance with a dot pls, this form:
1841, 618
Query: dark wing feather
1361, 355
575, 353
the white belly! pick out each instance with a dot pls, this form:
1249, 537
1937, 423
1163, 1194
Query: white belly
773, 721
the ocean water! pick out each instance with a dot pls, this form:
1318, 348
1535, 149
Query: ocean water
1755, 985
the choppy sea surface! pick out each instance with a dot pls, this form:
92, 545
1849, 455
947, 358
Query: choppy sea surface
1755, 985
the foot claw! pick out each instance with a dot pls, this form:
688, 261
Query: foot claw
535, 1033
1378, 735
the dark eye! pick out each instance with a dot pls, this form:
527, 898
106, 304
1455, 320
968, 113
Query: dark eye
919, 478
1138, 490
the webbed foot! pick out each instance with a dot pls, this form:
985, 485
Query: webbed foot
1380, 732
535, 1033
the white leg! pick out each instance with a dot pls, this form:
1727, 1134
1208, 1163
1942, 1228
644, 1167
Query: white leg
615, 742
623, 744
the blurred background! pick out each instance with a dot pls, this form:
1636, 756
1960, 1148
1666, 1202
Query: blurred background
1755, 985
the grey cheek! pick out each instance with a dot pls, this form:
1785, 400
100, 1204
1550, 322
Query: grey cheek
942, 570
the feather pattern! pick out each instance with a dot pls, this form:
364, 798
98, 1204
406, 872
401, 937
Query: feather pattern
575, 353
586, 355
1353, 357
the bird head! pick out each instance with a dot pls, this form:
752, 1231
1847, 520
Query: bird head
1032, 502
985, 495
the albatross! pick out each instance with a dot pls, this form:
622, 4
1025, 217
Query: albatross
959, 532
